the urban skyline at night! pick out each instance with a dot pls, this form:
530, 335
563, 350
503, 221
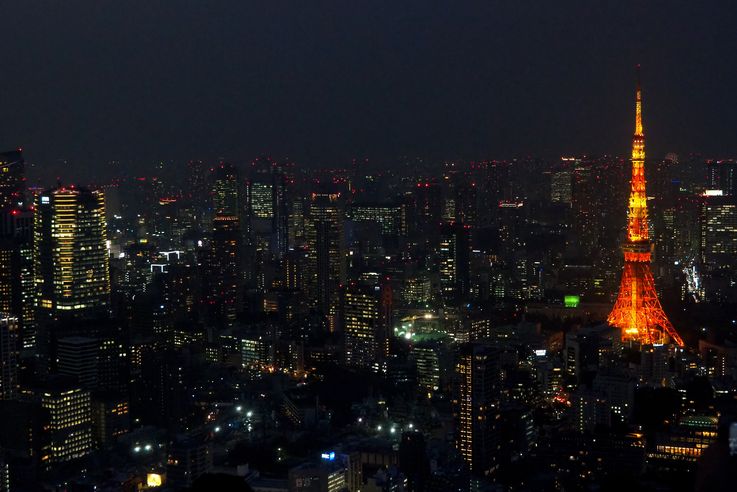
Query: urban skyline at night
368, 247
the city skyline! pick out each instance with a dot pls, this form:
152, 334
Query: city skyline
452, 313
441, 312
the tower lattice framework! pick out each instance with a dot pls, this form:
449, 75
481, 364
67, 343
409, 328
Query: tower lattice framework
637, 311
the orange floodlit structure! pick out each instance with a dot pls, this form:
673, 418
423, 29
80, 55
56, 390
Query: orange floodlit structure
637, 311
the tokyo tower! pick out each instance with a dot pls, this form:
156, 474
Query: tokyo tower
637, 312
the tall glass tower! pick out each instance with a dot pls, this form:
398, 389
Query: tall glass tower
71, 265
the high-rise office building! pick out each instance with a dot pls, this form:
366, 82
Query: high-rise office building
280, 213
296, 222
6, 277
17, 290
12, 180
259, 188
454, 255
226, 268
718, 246
719, 230
722, 175
197, 187
77, 357
111, 418
365, 323
226, 252
261, 200
175, 285
466, 201
476, 412
9, 357
561, 186
428, 203
417, 289
390, 216
510, 217
70, 421
112, 360
71, 266
427, 365
585, 227
292, 269
226, 197
325, 270
16, 284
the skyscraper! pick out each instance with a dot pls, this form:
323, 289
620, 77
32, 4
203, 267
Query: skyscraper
476, 410
9, 357
719, 231
226, 197
428, 201
637, 311
585, 226
718, 246
261, 199
360, 316
454, 255
197, 180
326, 265
561, 184
365, 325
280, 213
71, 266
17, 290
12, 179
227, 243
427, 364
722, 175
226, 267
296, 222
466, 202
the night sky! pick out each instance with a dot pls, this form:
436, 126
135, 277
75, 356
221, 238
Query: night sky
322, 82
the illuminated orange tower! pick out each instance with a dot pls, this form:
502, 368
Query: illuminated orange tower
638, 312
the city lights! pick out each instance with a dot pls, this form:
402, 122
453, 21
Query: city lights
285, 248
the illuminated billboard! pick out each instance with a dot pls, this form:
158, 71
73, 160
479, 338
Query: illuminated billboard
571, 301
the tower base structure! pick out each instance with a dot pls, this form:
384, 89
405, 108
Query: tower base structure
637, 311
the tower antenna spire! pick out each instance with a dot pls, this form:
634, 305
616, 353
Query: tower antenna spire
638, 103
